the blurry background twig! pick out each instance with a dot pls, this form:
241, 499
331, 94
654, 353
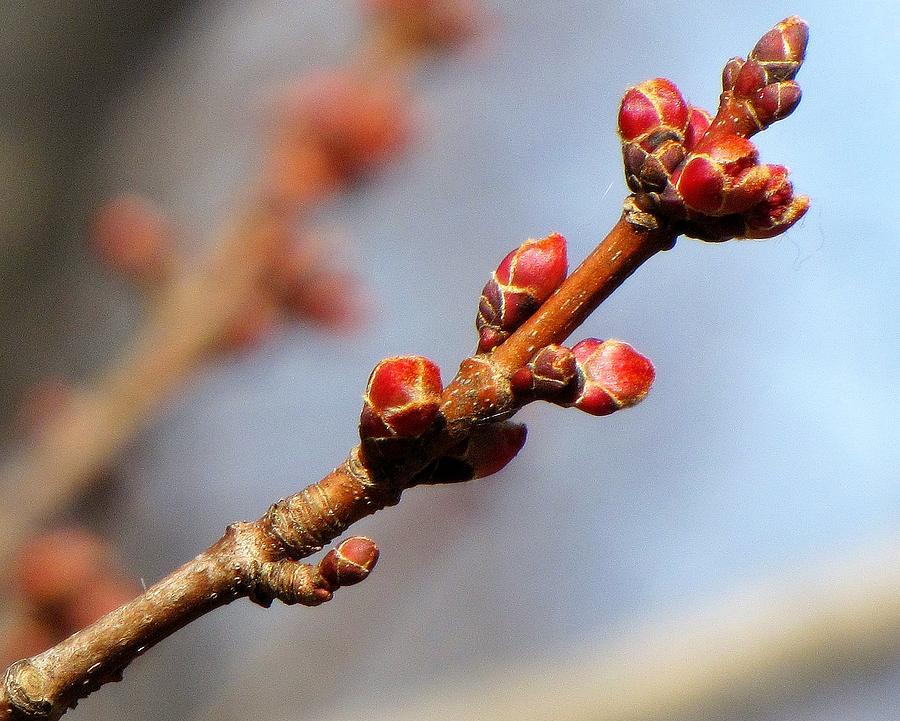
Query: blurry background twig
332, 129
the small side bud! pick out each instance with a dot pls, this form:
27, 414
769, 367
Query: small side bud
351, 562
730, 72
614, 376
402, 398
488, 450
776, 101
525, 278
551, 375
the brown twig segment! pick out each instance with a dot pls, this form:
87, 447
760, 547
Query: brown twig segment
238, 565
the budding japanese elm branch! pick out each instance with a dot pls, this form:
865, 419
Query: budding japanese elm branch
689, 173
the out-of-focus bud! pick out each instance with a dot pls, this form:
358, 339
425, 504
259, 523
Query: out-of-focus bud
131, 236
360, 123
614, 376
250, 327
58, 566
424, 24
351, 562
402, 398
525, 278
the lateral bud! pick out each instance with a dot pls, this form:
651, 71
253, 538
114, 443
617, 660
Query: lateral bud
613, 376
525, 278
402, 399
653, 118
551, 375
350, 562
488, 450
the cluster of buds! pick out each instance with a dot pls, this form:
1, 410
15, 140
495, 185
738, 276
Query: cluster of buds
702, 174
66, 580
595, 376
525, 278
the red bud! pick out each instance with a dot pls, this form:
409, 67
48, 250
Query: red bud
525, 278
779, 210
615, 376
351, 562
650, 106
781, 50
402, 398
723, 180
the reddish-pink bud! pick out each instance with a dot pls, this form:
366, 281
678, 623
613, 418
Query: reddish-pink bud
723, 180
781, 50
776, 101
525, 278
650, 106
359, 123
351, 562
698, 123
779, 210
615, 376
402, 398
489, 449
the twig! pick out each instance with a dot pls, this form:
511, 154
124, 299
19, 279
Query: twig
413, 433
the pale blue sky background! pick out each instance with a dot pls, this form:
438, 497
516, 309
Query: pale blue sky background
771, 436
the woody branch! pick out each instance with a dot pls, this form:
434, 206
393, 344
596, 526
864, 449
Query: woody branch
689, 173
